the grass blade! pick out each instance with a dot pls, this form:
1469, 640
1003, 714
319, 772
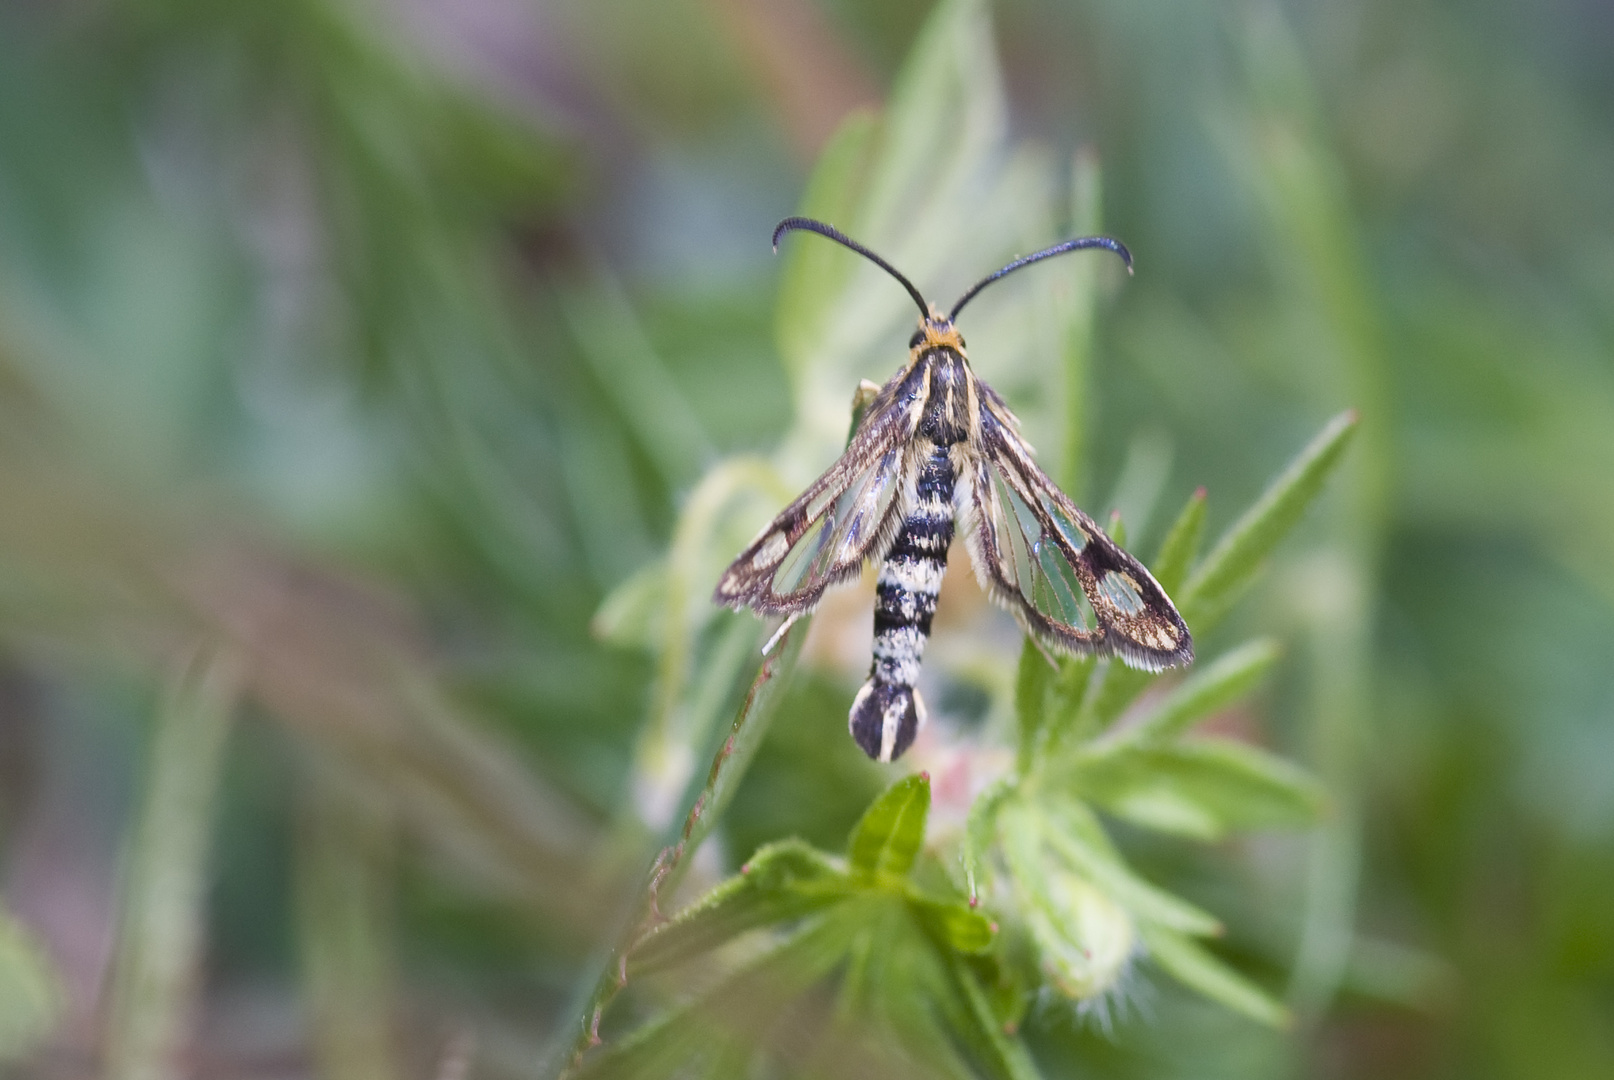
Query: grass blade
161, 924
1198, 969
1208, 689
344, 870
1218, 580
1181, 544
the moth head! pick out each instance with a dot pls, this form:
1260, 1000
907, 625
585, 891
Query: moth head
936, 329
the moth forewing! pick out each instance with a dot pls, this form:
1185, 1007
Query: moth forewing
824, 537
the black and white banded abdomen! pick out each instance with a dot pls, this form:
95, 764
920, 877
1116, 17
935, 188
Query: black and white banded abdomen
887, 713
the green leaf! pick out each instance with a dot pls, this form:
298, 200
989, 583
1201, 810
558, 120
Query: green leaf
951, 924
1181, 544
1002, 1056
1116, 528
978, 830
31, 996
1083, 843
727, 1018
1209, 688
815, 274
896, 1000
632, 614
1070, 714
1164, 809
1196, 968
153, 987
1218, 580
886, 841
1200, 787
1031, 687
1120, 687
947, 114
782, 881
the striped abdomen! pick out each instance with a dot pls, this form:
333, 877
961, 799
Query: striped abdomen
886, 714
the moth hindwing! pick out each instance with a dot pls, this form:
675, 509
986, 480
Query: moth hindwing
937, 449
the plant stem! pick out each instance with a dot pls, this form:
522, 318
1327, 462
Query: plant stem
729, 765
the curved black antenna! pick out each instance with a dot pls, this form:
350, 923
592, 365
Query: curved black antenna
809, 225
1047, 253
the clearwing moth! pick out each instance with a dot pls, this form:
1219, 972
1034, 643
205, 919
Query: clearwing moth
937, 447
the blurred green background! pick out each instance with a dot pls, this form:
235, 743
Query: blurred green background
352, 353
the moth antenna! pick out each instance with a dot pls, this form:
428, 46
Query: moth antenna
790, 224
1047, 253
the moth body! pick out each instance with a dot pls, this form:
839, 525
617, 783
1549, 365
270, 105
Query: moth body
887, 712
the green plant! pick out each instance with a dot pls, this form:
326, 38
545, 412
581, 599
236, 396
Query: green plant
1032, 892
907, 971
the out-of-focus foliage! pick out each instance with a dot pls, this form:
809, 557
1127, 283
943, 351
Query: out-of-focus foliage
923, 983
352, 354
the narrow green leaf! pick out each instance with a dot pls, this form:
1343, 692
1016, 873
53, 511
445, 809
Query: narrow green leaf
1120, 688
892, 1001
634, 377
1181, 545
1196, 968
31, 997
886, 841
945, 108
1002, 1055
1083, 843
1208, 786
1217, 581
814, 274
728, 766
1031, 687
344, 871
1019, 834
920, 1017
1209, 688
782, 881
1116, 528
1070, 718
1074, 310
731, 1016
978, 829
1394, 974
154, 985
745, 735
633, 613
952, 925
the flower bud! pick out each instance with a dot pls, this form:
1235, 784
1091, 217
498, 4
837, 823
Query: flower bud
1086, 938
